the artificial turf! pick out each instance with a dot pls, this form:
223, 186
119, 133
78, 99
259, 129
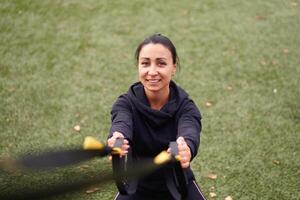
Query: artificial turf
64, 63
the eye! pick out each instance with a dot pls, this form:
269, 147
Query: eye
144, 64
162, 64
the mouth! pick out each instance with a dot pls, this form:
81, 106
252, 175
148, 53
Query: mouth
152, 80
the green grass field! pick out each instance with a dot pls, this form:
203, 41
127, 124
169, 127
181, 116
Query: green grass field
64, 63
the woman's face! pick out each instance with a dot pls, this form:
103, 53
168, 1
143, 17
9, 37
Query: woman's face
156, 67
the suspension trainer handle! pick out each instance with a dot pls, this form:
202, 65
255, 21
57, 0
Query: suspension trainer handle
176, 179
119, 165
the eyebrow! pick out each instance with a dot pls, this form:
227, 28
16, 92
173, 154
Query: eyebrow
162, 58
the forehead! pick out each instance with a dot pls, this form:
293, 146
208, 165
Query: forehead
155, 51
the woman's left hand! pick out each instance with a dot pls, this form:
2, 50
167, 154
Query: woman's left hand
184, 152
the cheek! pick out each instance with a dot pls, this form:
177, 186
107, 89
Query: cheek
141, 72
168, 73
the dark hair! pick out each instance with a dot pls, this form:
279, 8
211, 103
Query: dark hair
157, 38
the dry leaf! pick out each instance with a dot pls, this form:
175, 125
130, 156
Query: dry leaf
228, 198
229, 87
258, 17
212, 194
212, 176
263, 62
77, 128
285, 50
294, 4
92, 190
208, 104
276, 162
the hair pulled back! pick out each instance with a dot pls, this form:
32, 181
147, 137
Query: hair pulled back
157, 38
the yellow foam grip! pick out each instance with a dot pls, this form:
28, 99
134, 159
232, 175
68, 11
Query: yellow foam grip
116, 150
91, 143
178, 157
162, 158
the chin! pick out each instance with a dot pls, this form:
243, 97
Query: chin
152, 89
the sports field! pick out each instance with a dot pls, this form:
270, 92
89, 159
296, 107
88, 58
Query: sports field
64, 63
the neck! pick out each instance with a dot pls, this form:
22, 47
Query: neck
158, 99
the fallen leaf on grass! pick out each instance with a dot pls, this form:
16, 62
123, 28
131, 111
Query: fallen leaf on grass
212, 176
208, 104
92, 190
263, 62
212, 194
228, 198
276, 162
294, 4
285, 50
259, 17
229, 87
77, 128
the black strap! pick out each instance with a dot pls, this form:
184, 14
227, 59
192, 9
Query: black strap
119, 165
175, 175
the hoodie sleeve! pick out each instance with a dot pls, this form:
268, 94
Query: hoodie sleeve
121, 118
189, 126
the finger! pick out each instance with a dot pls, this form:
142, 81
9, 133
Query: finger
185, 165
184, 158
111, 141
183, 148
180, 140
124, 152
118, 135
125, 141
169, 150
125, 147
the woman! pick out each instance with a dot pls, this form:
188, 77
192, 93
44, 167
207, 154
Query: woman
154, 112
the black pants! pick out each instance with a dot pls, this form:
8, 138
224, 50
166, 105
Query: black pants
194, 193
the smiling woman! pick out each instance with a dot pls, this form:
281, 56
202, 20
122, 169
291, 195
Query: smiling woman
153, 113
157, 61
156, 68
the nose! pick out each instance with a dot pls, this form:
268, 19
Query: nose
152, 70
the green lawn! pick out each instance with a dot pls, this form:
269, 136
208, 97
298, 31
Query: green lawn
64, 63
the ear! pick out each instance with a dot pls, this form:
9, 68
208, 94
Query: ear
174, 70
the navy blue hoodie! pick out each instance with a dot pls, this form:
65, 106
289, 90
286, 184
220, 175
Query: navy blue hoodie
149, 131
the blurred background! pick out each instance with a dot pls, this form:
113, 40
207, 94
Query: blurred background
64, 63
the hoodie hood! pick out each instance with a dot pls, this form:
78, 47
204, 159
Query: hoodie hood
138, 98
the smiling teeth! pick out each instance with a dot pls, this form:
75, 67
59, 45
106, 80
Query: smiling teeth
153, 81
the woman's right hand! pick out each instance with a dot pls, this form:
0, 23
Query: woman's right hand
111, 141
